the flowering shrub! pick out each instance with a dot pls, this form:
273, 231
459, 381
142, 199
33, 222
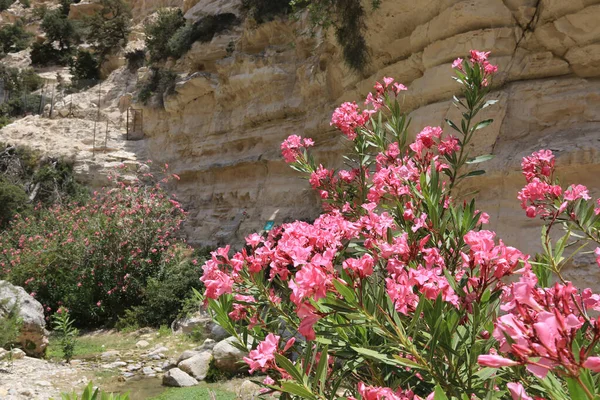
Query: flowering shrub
396, 291
97, 259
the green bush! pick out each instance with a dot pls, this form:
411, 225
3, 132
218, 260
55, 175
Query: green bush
135, 59
98, 259
58, 29
160, 31
13, 201
10, 324
20, 81
167, 295
171, 36
14, 38
85, 69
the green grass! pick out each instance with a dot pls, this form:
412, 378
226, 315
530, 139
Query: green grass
194, 393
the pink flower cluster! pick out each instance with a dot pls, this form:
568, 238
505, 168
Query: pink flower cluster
348, 118
385, 393
479, 59
291, 147
542, 324
263, 357
540, 194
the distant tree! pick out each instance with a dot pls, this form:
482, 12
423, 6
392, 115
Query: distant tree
58, 28
110, 27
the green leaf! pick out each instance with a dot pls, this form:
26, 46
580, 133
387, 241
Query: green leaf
575, 390
290, 368
453, 125
483, 124
345, 291
480, 159
294, 388
439, 393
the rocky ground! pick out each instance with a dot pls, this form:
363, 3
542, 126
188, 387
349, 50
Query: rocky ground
34, 379
143, 363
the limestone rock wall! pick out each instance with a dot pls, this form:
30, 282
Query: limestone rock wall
251, 87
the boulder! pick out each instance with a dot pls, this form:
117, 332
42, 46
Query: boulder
229, 358
33, 336
142, 344
187, 354
177, 378
198, 365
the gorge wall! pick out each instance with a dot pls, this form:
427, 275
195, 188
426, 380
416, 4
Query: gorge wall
241, 94
249, 89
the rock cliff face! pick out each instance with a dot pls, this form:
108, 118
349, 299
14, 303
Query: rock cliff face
251, 86
248, 89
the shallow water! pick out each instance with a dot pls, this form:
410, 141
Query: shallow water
139, 388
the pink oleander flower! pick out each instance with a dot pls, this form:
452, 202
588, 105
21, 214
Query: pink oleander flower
292, 146
479, 56
379, 393
539, 164
597, 253
347, 118
362, 267
517, 391
457, 64
263, 357
575, 192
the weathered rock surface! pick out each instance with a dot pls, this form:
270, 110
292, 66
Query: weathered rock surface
242, 93
247, 90
177, 378
197, 365
33, 337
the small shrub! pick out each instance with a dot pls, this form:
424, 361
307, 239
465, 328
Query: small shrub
10, 324
63, 326
166, 294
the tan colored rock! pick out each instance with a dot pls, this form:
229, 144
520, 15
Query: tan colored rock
79, 11
585, 61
